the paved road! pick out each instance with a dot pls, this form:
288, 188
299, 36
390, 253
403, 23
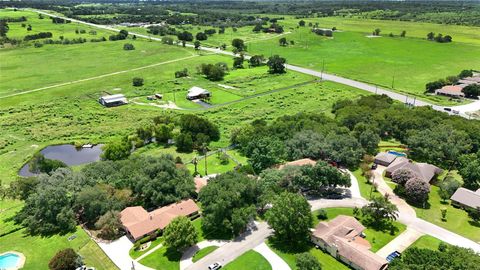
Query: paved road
235, 248
187, 256
463, 109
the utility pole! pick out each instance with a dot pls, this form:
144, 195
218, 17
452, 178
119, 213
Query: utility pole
393, 79
205, 153
323, 68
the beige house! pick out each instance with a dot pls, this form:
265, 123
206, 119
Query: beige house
384, 158
466, 198
424, 171
342, 238
139, 223
300, 162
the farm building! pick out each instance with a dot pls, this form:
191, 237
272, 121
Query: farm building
342, 238
384, 158
424, 171
451, 91
139, 223
113, 100
197, 93
466, 198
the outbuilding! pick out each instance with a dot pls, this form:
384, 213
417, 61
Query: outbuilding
113, 100
384, 158
466, 198
197, 93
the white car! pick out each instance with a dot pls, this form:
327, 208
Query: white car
214, 266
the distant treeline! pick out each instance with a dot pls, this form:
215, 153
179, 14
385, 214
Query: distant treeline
235, 12
38, 36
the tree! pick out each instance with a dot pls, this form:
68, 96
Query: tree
380, 210
290, 218
196, 44
238, 62
301, 23
180, 234
257, 28
228, 203
184, 143
472, 91
185, 36
201, 36
40, 164
109, 225
417, 190
264, 153
276, 64
91, 202
465, 73
306, 261
403, 33
238, 45
430, 36
377, 32
23, 187
193, 124
3, 28
432, 86
163, 133
213, 72
469, 169
181, 73
447, 187
137, 81
402, 175
369, 139
256, 60
475, 214
128, 47
65, 259
283, 41
322, 176
116, 150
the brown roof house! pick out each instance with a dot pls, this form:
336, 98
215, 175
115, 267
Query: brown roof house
384, 158
139, 223
424, 171
451, 90
300, 162
200, 182
466, 198
342, 238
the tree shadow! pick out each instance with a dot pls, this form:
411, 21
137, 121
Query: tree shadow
286, 246
173, 255
474, 223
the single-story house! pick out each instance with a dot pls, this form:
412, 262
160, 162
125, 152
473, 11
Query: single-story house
466, 198
300, 162
113, 100
139, 223
424, 171
451, 91
342, 238
197, 93
384, 158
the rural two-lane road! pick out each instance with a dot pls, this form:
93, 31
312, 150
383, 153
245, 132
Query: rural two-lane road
462, 109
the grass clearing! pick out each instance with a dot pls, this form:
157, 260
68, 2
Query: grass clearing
203, 252
251, 260
163, 259
427, 241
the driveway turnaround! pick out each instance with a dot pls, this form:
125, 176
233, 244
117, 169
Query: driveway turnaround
118, 252
230, 251
400, 243
187, 256
275, 261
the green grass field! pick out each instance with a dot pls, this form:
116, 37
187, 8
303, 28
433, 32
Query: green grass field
426, 241
458, 220
251, 260
203, 252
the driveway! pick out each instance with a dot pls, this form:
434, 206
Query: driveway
118, 252
230, 251
400, 243
275, 261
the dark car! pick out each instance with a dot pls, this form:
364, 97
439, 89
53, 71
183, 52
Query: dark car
374, 166
393, 255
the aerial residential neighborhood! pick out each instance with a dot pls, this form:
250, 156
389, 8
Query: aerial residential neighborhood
239, 135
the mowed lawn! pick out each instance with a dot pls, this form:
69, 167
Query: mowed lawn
251, 260
39, 250
457, 221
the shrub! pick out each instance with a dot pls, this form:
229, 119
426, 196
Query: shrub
417, 190
322, 214
128, 47
137, 81
66, 259
401, 176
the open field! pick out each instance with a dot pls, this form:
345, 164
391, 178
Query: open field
66, 30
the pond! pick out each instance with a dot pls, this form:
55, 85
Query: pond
68, 154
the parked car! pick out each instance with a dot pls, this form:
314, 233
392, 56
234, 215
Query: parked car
374, 166
393, 255
447, 109
214, 266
